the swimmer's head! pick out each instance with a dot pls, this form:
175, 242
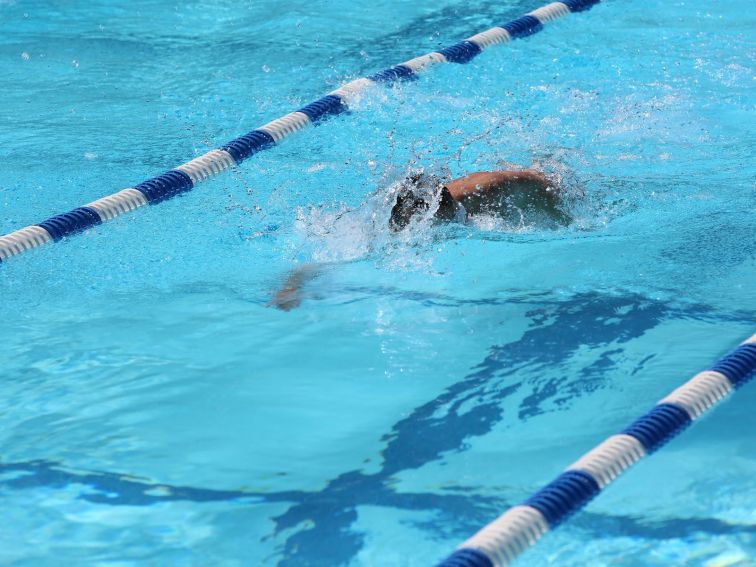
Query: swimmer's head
418, 194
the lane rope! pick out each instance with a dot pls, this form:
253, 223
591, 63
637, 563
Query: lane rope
501, 541
187, 176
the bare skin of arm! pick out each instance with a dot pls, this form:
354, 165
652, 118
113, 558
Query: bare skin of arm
289, 296
485, 191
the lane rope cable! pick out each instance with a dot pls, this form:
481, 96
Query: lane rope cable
186, 176
501, 541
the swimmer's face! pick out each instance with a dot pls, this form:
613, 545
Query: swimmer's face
407, 205
417, 196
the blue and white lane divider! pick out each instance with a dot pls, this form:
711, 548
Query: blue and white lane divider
185, 177
505, 538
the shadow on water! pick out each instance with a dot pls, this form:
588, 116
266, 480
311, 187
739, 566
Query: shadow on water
318, 527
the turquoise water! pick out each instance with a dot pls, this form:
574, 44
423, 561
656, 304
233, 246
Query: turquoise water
154, 410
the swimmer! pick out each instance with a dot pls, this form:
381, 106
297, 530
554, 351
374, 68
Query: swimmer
491, 193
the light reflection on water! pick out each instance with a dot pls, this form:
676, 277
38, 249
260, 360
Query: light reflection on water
154, 409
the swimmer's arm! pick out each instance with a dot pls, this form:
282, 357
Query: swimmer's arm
478, 191
486, 182
289, 295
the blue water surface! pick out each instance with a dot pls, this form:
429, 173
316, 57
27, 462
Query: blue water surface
154, 410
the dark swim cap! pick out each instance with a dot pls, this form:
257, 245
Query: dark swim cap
415, 196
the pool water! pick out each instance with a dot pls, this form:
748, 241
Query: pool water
154, 409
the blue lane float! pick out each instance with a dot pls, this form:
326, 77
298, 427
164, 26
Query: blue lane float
501, 541
187, 176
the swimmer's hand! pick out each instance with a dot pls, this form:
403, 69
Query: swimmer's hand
286, 299
289, 296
